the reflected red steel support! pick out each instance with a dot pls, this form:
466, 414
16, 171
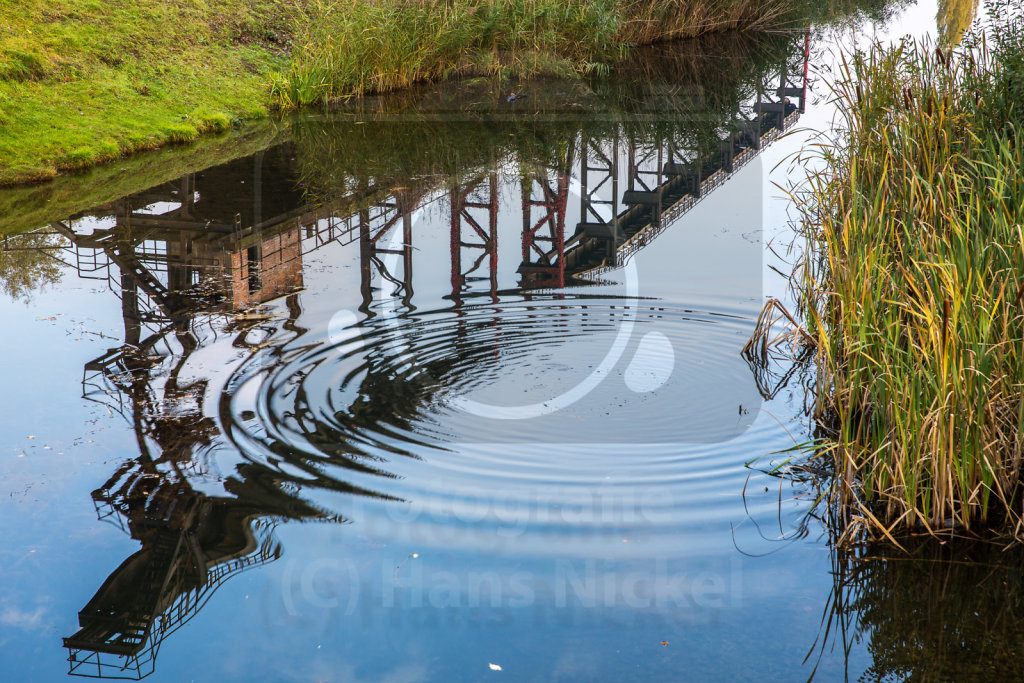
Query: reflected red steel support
467, 204
543, 263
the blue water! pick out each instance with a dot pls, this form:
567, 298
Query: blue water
373, 404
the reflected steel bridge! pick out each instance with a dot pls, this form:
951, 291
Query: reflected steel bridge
167, 261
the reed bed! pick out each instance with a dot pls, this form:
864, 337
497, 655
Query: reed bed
351, 47
913, 290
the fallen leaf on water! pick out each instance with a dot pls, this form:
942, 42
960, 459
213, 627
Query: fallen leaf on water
494, 667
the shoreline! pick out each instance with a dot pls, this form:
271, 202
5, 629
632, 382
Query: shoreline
105, 85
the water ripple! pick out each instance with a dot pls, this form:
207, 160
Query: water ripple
380, 406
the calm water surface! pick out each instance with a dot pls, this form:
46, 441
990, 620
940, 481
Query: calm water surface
446, 382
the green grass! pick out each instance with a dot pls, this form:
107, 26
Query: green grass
446, 129
84, 81
87, 81
914, 289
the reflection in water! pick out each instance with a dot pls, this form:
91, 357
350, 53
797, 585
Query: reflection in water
25, 265
954, 18
191, 542
939, 613
583, 184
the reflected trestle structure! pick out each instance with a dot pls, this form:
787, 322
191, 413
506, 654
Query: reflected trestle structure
216, 246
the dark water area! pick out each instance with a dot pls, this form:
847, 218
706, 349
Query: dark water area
447, 385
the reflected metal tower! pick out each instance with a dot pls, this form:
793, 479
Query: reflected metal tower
474, 228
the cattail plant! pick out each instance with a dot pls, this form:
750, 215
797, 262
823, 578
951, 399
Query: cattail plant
912, 292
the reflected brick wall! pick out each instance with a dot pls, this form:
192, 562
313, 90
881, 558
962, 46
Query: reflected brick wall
266, 270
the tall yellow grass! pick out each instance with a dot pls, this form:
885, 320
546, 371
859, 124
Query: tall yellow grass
913, 292
350, 47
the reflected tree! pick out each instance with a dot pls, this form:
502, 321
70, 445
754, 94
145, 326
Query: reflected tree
26, 265
938, 612
954, 18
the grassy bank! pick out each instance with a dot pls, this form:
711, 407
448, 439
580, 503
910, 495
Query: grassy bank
914, 293
353, 46
695, 86
84, 81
